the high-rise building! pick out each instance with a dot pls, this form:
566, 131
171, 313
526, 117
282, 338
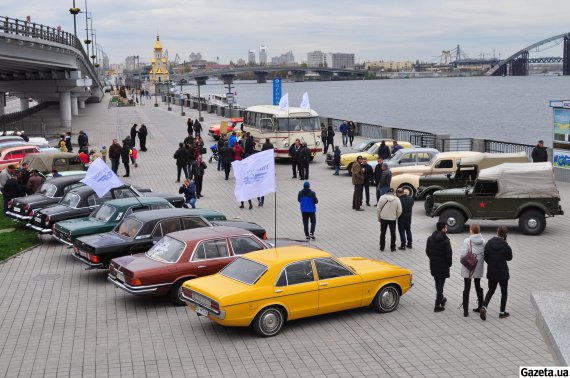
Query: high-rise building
130, 63
284, 59
159, 69
251, 57
339, 60
262, 55
316, 59
194, 56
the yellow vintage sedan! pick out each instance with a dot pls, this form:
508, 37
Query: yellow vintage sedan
346, 160
264, 289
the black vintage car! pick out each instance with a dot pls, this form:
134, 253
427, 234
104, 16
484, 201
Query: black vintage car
139, 231
464, 176
51, 192
80, 202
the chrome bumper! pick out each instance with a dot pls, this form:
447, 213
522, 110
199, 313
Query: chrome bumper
87, 262
17, 216
39, 229
70, 244
216, 314
134, 289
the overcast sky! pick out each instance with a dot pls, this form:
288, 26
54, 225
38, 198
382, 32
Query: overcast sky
371, 29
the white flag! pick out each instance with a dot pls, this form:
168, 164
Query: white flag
255, 175
101, 178
284, 102
305, 104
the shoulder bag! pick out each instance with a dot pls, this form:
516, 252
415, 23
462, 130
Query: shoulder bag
469, 261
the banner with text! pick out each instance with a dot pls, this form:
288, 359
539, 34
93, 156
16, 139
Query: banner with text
255, 175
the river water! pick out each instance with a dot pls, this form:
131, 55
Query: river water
513, 109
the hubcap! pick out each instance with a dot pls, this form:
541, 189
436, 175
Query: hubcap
532, 223
270, 322
451, 221
388, 298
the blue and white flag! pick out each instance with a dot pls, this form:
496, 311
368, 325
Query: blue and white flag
255, 175
284, 102
101, 178
305, 104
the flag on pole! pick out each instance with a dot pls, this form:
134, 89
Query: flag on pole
101, 178
284, 102
255, 175
305, 104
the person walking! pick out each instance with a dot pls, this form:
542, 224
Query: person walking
343, 128
351, 132
220, 145
308, 202
189, 126
232, 139
294, 151
304, 159
115, 155
405, 220
475, 244
384, 151
249, 145
388, 212
377, 175
181, 156
227, 156
358, 182
497, 253
133, 135
143, 132
368, 174
238, 152
190, 158
438, 250
539, 153
336, 161
385, 180
197, 128
248, 201
188, 188
199, 170
125, 157
330, 138
324, 138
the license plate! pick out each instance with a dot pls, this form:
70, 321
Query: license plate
17, 209
201, 311
84, 254
120, 276
200, 299
39, 219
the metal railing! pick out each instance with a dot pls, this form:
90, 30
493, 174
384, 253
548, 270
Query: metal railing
410, 135
442, 144
498, 146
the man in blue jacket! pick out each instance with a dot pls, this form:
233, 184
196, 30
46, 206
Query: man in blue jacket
343, 128
308, 200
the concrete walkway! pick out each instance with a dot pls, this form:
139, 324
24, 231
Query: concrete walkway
56, 319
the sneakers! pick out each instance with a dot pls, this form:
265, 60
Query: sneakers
503, 315
308, 237
392, 249
312, 236
409, 246
483, 313
443, 301
438, 308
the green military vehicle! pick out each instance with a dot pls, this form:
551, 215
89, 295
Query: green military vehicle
523, 191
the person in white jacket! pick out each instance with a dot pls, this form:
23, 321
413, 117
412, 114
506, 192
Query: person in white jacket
388, 209
476, 244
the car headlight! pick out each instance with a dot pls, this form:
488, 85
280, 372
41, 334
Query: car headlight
286, 144
318, 143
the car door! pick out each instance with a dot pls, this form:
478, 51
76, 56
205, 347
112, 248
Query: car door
211, 256
298, 290
443, 166
339, 287
165, 227
483, 198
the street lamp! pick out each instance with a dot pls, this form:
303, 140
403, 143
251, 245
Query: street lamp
168, 94
74, 11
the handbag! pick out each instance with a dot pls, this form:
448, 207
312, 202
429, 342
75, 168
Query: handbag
204, 150
469, 261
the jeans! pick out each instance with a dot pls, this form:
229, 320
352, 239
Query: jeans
304, 170
296, 166
404, 228
344, 140
383, 190
115, 165
357, 196
127, 168
439, 283
220, 164
191, 202
313, 218
384, 224
336, 169
367, 191
351, 139
492, 287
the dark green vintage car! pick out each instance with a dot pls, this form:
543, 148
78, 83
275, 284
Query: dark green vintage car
107, 216
464, 176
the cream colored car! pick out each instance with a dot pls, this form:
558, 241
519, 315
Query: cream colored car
408, 178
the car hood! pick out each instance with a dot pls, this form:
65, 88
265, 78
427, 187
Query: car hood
56, 209
254, 228
75, 225
353, 155
227, 291
34, 198
415, 169
103, 240
370, 269
139, 262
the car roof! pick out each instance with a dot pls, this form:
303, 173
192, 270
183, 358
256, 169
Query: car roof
64, 180
148, 215
417, 149
208, 232
285, 255
82, 190
127, 202
457, 154
17, 148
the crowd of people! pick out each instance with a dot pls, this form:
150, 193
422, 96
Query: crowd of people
19, 182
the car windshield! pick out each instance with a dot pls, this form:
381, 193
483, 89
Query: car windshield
298, 124
166, 250
244, 270
70, 199
128, 227
48, 189
372, 150
103, 214
362, 145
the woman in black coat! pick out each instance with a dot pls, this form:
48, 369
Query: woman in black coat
438, 249
143, 132
497, 253
125, 155
134, 134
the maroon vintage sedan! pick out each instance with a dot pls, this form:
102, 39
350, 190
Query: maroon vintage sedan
181, 256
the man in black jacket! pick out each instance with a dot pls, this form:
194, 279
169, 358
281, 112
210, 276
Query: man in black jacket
197, 128
368, 174
143, 132
539, 153
294, 151
438, 249
304, 159
115, 155
405, 220
134, 133
377, 174
249, 145
125, 155
227, 156
181, 156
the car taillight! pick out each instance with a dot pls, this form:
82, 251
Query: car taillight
136, 282
187, 292
265, 236
31, 213
75, 250
46, 220
112, 268
27, 207
214, 306
10, 203
94, 259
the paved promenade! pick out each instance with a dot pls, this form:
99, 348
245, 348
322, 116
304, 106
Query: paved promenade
57, 319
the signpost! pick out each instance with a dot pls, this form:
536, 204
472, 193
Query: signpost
276, 90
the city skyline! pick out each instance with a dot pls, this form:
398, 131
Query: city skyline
372, 31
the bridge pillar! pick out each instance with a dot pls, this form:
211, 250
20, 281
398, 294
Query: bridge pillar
566, 57
519, 66
24, 103
81, 103
2, 102
325, 75
261, 76
228, 78
299, 76
74, 106
65, 109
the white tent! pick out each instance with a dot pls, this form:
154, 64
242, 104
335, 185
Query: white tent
522, 180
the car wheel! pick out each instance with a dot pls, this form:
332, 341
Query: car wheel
387, 299
454, 219
532, 222
408, 189
428, 204
174, 294
269, 321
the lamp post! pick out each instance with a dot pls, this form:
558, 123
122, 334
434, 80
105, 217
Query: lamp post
199, 105
87, 40
168, 94
155, 95
74, 11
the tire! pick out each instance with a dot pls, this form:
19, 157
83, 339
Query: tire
174, 295
387, 299
532, 222
269, 321
428, 204
409, 189
454, 219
